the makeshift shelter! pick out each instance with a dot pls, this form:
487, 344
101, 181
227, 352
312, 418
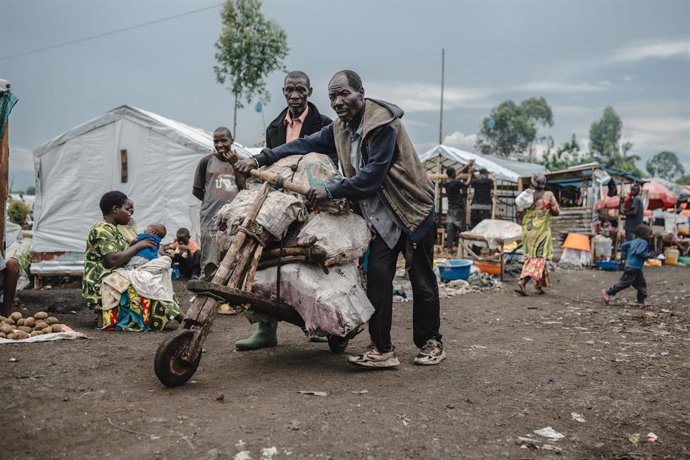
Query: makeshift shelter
149, 157
505, 171
441, 157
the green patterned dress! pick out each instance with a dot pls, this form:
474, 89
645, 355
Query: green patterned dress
134, 313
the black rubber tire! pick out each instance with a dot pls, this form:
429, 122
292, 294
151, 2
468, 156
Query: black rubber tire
337, 344
169, 368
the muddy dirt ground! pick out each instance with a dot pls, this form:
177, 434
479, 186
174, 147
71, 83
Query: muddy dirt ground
514, 365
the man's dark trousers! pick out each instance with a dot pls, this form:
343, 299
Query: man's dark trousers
425, 307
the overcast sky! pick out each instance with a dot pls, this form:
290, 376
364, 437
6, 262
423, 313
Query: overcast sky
580, 55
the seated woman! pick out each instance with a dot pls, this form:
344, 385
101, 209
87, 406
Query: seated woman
143, 296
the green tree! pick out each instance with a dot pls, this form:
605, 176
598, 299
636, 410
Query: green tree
605, 146
18, 211
665, 165
30, 190
604, 136
565, 156
685, 180
511, 128
249, 48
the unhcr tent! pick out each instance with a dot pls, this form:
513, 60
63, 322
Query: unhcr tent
148, 157
501, 168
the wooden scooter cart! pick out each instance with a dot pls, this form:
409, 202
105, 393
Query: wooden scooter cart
178, 357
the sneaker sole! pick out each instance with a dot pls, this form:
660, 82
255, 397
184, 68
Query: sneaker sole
388, 364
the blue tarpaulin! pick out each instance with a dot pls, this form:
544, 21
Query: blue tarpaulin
7, 102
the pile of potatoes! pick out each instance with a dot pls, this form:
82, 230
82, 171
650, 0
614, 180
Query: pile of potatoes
18, 328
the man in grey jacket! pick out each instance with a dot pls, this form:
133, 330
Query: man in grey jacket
384, 175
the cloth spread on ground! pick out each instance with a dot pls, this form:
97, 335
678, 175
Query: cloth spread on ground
66, 334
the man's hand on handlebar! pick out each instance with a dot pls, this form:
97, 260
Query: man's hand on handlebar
316, 195
246, 165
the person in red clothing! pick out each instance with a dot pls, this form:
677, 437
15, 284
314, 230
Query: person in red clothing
184, 252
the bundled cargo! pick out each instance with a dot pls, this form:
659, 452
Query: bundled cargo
343, 237
314, 170
278, 212
333, 302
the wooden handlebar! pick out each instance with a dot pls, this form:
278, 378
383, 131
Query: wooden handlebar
278, 181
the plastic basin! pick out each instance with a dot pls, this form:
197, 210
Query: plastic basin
611, 266
492, 268
455, 269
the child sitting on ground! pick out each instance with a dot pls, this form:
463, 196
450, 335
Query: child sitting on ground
635, 252
155, 232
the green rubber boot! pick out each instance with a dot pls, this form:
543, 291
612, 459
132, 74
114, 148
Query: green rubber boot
265, 336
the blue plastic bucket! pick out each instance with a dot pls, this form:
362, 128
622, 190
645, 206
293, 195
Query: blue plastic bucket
455, 269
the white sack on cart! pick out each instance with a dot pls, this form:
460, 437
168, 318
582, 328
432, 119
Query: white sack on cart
314, 170
277, 213
334, 303
344, 237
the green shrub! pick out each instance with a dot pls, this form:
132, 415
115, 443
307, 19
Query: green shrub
18, 211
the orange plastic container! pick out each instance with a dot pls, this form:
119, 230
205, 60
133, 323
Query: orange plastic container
492, 268
577, 241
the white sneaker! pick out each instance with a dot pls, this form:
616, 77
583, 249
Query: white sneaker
431, 354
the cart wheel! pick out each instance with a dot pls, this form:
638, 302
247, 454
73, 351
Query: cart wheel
170, 369
337, 344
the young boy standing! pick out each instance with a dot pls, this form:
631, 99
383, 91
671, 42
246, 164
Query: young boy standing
635, 252
216, 183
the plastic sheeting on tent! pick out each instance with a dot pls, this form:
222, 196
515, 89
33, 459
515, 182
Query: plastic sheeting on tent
76, 168
502, 168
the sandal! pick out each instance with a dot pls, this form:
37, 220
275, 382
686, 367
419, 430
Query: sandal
521, 290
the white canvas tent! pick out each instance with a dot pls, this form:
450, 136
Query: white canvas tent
502, 168
76, 168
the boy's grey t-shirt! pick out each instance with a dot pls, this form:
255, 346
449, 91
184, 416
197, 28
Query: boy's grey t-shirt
216, 177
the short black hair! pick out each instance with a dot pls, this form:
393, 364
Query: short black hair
223, 129
161, 229
450, 171
298, 74
112, 199
184, 231
483, 171
643, 229
353, 79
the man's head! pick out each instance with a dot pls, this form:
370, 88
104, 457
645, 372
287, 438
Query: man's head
483, 173
450, 172
182, 236
643, 231
114, 204
222, 141
296, 89
346, 93
635, 189
157, 229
